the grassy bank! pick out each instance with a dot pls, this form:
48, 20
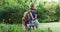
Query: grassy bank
19, 28
13, 28
10, 28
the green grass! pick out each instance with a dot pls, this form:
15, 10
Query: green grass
10, 28
55, 26
13, 28
43, 27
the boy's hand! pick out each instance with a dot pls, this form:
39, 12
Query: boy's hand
33, 18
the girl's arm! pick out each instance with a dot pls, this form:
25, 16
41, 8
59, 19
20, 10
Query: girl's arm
22, 20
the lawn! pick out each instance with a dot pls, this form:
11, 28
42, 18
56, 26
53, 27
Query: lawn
55, 27
13, 28
43, 27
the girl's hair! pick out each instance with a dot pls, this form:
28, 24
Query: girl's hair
25, 13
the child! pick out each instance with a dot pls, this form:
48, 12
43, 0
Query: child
33, 16
25, 21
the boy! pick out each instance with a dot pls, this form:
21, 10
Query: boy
33, 16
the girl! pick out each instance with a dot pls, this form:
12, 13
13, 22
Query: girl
25, 21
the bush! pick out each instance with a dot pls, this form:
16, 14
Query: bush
11, 11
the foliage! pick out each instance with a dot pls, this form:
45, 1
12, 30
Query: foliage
11, 11
48, 12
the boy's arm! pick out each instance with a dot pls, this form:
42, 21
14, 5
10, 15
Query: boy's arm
35, 15
32, 16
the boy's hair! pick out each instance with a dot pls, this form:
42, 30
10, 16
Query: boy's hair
31, 5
